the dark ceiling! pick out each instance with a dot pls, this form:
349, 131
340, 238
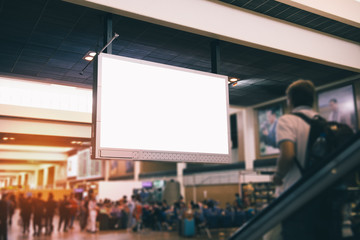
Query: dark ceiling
47, 39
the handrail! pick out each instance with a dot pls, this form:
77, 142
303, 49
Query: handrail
301, 192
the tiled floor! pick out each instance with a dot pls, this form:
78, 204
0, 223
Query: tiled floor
15, 233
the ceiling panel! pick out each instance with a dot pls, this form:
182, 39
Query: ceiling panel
47, 39
301, 17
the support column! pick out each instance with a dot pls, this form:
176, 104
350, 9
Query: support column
106, 170
137, 169
180, 168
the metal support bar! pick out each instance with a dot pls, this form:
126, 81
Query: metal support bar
107, 45
108, 39
215, 56
108, 32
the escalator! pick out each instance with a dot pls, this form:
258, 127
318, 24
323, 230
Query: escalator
337, 183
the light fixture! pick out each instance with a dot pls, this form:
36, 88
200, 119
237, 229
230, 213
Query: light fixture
92, 54
89, 56
233, 81
5, 138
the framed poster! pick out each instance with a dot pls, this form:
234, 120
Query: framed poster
267, 119
120, 168
338, 105
88, 168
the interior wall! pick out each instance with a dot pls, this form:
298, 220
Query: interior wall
249, 119
151, 167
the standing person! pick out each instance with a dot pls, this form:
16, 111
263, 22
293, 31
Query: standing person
292, 137
84, 213
25, 213
73, 209
12, 207
92, 206
131, 207
50, 207
4, 208
293, 133
124, 212
64, 208
38, 210
137, 213
238, 201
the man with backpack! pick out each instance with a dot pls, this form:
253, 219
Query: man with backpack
304, 140
292, 133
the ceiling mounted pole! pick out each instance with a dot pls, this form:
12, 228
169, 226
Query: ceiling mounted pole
108, 32
215, 56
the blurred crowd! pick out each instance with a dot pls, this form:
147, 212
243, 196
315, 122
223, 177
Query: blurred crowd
132, 214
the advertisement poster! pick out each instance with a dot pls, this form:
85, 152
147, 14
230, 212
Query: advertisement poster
267, 119
89, 168
119, 168
338, 105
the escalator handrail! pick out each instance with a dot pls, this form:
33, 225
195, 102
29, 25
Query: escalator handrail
343, 161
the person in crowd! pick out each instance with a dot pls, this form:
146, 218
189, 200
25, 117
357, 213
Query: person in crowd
92, 208
4, 209
50, 207
38, 210
292, 136
64, 214
25, 212
238, 201
124, 212
137, 213
12, 207
84, 213
20, 204
158, 195
73, 210
131, 207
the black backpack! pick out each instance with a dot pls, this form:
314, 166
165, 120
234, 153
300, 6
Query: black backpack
325, 138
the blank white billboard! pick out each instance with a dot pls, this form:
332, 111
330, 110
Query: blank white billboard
150, 111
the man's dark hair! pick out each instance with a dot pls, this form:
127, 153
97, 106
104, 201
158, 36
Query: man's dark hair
301, 92
333, 100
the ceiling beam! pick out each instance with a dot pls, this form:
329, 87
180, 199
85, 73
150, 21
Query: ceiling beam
41, 127
33, 156
19, 167
345, 11
227, 22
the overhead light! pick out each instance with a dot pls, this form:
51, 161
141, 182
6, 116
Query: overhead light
92, 54
89, 56
233, 81
5, 138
